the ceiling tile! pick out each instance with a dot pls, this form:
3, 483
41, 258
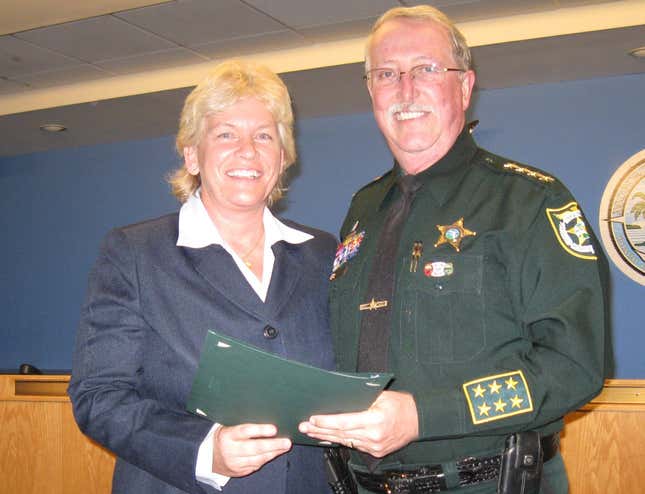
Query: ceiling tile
471, 10
252, 44
20, 15
195, 22
151, 61
341, 30
306, 13
17, 57
578, 3
70, 75
99, 38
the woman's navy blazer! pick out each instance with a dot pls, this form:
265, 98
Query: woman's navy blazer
148, 308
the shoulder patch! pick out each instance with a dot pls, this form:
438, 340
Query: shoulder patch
528, 172
498, 397
571, 230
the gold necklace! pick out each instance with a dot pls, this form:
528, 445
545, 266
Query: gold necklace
245, 256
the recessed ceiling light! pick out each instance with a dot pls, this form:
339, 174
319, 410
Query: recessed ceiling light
53, 127
638, 52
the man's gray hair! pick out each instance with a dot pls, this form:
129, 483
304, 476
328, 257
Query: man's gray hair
460, 50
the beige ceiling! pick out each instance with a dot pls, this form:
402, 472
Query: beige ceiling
123, 73
21, 15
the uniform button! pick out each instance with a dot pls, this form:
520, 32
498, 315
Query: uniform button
439, 286
270, 332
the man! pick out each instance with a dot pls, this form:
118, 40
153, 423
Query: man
473, 279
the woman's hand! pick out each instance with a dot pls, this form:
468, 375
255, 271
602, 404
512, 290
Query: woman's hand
242, 449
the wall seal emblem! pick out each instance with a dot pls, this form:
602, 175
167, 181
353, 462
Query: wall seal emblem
622, 217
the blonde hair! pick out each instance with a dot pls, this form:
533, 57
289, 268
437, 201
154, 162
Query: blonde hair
460, 50
229, 82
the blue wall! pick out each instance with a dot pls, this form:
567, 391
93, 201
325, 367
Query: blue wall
56, 206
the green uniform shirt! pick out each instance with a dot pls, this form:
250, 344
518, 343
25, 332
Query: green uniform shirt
501, 326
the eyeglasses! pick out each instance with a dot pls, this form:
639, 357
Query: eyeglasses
383, 77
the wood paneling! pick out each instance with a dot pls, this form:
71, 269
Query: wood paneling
603, 444
42, 450
95, 476
31, 460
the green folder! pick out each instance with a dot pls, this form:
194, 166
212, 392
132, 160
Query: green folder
238, 383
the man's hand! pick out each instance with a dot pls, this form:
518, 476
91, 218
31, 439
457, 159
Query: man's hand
242, 449
387, 426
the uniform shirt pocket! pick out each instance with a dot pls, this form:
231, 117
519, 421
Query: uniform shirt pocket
443, 308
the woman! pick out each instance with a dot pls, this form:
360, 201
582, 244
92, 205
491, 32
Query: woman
224, 262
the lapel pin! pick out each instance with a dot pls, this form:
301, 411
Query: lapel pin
417, 251
438, 269
373, 305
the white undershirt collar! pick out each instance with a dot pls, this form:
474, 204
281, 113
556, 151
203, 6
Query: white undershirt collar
197, 230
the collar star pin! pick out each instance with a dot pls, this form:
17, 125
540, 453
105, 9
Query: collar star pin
453, 234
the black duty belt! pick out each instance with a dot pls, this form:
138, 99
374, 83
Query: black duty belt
431, 478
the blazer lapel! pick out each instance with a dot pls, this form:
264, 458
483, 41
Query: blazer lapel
287, 271
217, 267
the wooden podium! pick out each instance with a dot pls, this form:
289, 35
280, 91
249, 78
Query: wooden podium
603, 444
42, 450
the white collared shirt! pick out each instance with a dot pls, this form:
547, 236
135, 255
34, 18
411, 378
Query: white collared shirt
197, 230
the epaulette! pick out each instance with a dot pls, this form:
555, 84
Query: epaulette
518, 169
529, 172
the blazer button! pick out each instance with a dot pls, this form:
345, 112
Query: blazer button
270, 332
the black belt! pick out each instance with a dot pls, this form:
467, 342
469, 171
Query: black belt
431, 478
